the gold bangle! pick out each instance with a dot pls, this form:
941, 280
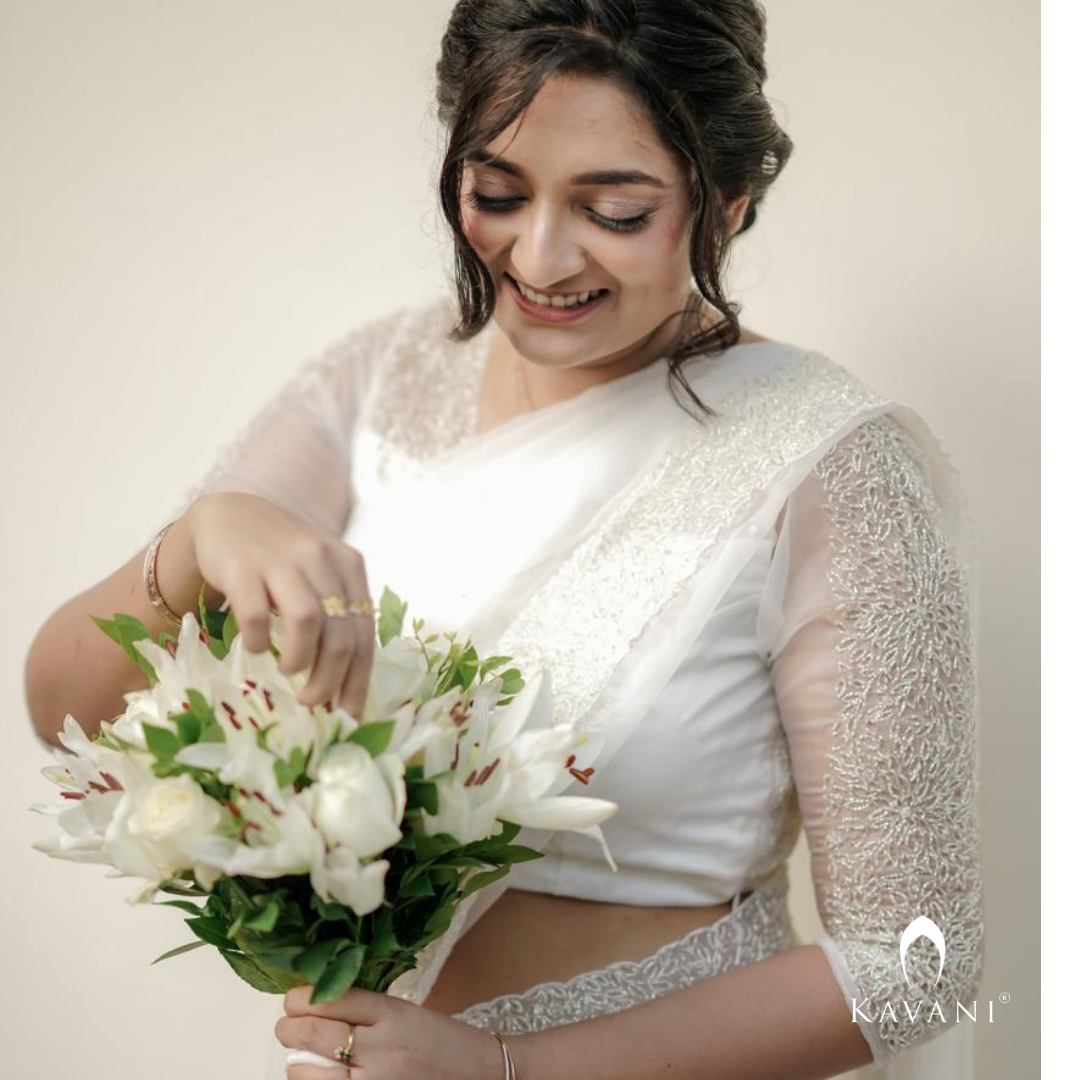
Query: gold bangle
150, 579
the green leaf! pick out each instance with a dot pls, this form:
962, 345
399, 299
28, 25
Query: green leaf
331, 912
468, 666
486, 878
203, 609
440, 919
384, 942
200, 707
230, 628
429, 848
512, 681
265, 920
183, 890
279, 956
417, 886
178, 950
374, 737
339, 975
298, 761
125, 629
184, 905
515, 853
250, 972
493, 662
492, 847
160, 742
312, 962
212, 931
215, 626
188, 727
426, 795
109, 627
391, 615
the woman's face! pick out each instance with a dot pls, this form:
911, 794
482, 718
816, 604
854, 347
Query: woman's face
558, 226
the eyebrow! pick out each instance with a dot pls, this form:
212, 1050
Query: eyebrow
605, 177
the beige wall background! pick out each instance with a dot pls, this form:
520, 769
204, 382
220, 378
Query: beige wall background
197, 196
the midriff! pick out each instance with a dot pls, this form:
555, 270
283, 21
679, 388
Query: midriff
525, 938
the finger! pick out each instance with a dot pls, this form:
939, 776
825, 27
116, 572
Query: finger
250, 606
302, 615
319, 1036
355, 1006
337, 642
354, 690
358, 676
353, 572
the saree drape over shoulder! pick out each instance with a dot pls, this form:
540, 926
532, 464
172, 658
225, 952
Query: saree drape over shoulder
795, 574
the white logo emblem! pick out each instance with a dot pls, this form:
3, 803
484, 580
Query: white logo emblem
923, 927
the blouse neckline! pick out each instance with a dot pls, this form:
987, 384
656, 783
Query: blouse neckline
478, 352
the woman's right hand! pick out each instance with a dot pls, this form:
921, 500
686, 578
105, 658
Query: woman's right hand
263, 558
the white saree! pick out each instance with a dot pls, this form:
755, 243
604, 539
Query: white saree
595, 536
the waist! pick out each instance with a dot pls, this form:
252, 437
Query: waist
757, 925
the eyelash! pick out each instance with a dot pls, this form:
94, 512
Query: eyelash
500, 206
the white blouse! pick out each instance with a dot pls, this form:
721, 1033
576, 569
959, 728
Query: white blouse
832, 690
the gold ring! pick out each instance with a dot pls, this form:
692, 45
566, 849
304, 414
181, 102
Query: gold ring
334, 606
344, 1053
361, 607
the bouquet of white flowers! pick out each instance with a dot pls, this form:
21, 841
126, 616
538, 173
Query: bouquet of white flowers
327, 849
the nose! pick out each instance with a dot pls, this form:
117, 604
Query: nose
545, 251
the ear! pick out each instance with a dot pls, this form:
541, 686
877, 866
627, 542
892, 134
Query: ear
735, 212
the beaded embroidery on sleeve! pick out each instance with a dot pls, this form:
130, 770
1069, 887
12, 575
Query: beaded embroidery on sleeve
876, 690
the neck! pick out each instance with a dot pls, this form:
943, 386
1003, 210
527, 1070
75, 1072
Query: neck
535, 384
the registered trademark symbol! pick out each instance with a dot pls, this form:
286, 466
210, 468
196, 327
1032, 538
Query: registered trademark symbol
1003, 997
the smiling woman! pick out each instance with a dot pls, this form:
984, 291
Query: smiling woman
601, 184
744, 570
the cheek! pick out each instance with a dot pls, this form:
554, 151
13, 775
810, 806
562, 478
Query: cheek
655, 260
481, 232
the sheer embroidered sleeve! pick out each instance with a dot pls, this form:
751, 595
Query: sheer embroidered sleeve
296, 450
867, 625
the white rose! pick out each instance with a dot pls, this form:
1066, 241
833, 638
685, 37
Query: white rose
167, 816
358, 800
342, 877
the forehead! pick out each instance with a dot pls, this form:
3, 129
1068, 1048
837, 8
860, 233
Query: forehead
576, 125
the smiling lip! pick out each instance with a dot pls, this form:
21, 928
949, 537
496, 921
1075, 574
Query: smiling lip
551, 314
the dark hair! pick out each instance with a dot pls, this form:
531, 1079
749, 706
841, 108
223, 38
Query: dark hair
696, 66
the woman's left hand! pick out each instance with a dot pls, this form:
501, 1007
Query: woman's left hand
394, 1039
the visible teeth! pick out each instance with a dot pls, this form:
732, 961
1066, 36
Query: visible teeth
559, 301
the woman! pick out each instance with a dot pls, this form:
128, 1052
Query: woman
749, 583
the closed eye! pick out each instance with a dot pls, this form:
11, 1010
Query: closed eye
487, 204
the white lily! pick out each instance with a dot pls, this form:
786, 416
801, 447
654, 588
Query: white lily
504, 764
193, 665
398, 673
289, 842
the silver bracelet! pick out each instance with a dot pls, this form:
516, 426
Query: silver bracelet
150, 579
508, 1061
